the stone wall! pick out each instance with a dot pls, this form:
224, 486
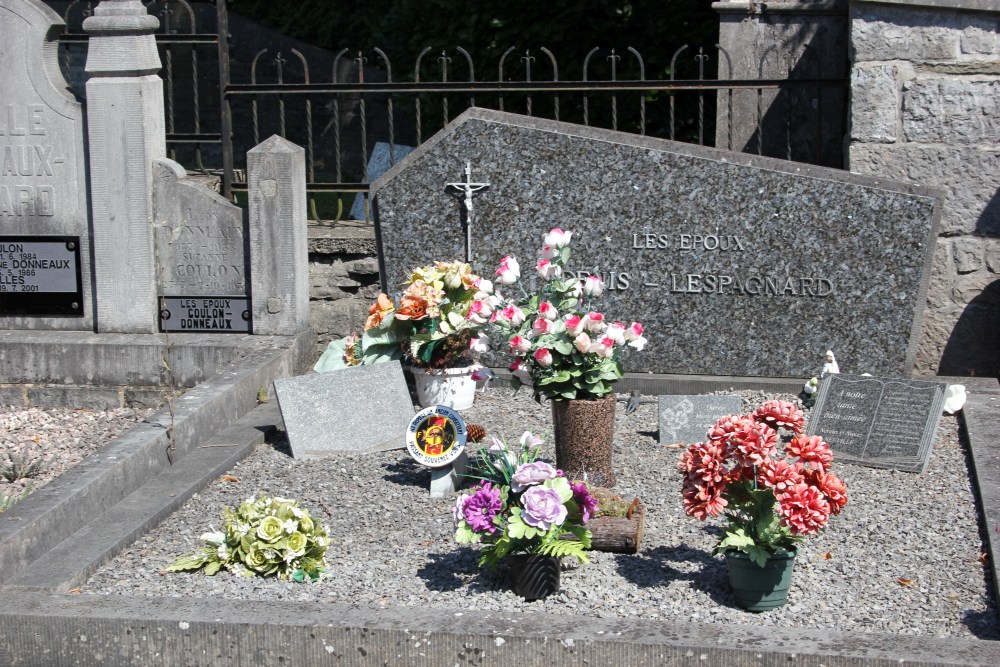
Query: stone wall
925, 88
343, 279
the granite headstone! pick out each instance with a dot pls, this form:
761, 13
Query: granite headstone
686, 419
351, 410
43, 178
200, 255
878, 422
736, 264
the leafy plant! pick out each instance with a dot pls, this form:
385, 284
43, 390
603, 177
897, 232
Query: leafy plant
8, 501
21, 465
263, 537
523, 505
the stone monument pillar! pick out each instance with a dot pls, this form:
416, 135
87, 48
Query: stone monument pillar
279, 244
786, 39
126, 133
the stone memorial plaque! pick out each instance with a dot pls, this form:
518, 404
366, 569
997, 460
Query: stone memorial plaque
436, 436
43, 191
735, 264
352, 410
198, 314
879, 422
686, 419
40, 275
199, 236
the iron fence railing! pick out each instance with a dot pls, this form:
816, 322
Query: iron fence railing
224, 95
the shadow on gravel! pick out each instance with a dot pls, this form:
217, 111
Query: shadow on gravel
453, 570
653, 435
982, 624
280, 444
407, 472
655, 567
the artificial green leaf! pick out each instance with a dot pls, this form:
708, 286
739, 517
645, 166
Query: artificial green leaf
212, 567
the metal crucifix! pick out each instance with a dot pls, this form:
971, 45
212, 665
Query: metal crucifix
466, 190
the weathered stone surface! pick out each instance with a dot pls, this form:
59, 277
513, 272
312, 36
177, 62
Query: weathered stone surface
366, 266
971, 286
952, 110
126, 126
336, 319
993, 255
942, 276
979, 39
43, 177
199, 237
276, 178
875, 103
899, 33
966, 173
968, 253
685, 238
353, 410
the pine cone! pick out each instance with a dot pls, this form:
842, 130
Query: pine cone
476, 433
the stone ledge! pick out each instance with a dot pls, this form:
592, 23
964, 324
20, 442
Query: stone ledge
344, 238
968, 5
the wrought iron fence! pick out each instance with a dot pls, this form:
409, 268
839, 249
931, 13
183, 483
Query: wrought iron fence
224, 95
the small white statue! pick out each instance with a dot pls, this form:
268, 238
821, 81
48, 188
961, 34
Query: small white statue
831, 365
954, 398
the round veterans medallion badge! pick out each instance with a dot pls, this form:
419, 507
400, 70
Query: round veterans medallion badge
436, 436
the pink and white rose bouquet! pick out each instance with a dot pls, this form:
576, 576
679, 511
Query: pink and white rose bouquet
523, 505
562, 347
773, 493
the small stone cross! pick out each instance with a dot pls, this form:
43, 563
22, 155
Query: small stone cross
466, 190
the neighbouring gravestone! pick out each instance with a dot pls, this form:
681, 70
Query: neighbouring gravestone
383, 156
878, 422
279, 237
686, 419
352, 410
736, 264
45, 255
201, 259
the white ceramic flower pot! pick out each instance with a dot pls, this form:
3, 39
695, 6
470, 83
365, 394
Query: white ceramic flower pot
451, 387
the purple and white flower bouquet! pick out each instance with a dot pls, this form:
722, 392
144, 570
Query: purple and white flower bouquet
523, 505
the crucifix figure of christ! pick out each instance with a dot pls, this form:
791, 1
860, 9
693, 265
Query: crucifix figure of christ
466, 190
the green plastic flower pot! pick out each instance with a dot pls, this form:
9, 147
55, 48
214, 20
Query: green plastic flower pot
760, 588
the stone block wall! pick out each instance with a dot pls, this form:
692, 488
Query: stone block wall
343, 279
925, 96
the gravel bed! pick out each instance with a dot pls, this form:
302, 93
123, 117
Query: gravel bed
902, 558
60, 437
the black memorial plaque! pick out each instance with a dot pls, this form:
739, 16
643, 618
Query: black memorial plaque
40, 275
687, 419
879, 422
205, 314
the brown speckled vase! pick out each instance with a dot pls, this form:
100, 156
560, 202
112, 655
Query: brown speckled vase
584, 435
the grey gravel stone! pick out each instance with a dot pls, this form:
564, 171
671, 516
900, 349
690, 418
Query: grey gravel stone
393, 545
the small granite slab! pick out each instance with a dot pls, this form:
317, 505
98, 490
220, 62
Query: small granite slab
735, 264
353, 410
878, 422
686, 419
